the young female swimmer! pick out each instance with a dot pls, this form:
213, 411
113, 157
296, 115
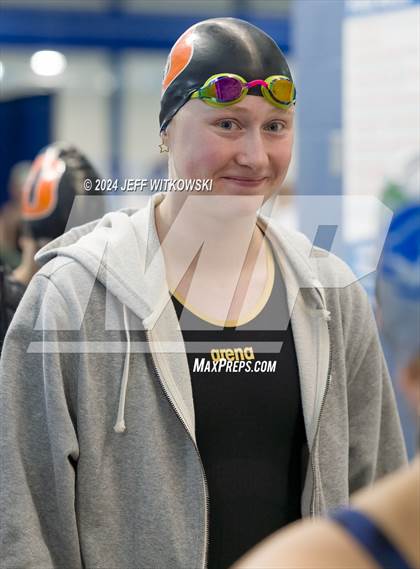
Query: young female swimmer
382, 527
169, 394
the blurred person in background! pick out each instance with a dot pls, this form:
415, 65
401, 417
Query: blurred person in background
10, 216
381, 529
56, 176
138, 456
400, 190
405, 187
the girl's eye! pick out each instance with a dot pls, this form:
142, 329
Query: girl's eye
275, 126
227, 124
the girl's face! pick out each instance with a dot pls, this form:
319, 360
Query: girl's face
245, 148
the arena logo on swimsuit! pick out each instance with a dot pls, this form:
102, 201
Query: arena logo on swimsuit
232, 354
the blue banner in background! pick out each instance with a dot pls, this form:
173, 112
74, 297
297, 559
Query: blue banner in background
25, 124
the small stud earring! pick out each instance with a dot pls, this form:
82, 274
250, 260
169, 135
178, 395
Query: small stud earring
163, 148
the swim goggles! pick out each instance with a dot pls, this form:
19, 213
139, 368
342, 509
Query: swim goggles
224, 89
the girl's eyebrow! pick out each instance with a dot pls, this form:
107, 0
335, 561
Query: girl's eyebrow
283, 116
243, 114
236, 109
232, 109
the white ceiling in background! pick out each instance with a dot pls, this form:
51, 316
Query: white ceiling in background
85, 69
141, 71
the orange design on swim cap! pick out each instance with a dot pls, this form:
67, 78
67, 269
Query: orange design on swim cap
39, 193
179, 57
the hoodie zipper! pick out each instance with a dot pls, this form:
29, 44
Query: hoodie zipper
312, 508
206, 523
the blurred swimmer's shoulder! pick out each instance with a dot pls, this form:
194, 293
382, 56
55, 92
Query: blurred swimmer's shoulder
311, 544
324, 544
392, 503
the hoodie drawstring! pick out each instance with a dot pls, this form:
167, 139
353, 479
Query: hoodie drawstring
119, 426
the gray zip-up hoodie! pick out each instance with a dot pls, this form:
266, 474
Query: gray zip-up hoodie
99, 464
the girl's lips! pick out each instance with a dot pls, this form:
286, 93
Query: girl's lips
247, 182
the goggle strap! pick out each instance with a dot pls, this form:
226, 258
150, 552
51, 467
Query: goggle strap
255, 83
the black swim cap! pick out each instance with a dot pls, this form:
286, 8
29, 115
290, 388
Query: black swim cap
218, 45
57, 175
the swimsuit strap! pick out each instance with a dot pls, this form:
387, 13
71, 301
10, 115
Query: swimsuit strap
371, 537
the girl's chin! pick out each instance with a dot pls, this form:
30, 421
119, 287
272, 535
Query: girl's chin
223, 205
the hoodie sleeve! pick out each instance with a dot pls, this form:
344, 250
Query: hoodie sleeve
38, 441
376, 440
